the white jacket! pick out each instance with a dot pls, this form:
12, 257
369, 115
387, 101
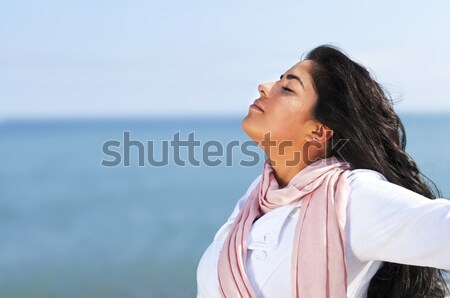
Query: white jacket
385, 222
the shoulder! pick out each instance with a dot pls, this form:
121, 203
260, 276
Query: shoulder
358, 176
242, 200
365, 183
369, 190
373, 189
253, 185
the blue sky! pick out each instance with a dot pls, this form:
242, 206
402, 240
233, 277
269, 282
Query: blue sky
140, 58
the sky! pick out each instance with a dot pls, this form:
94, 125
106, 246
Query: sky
144, 58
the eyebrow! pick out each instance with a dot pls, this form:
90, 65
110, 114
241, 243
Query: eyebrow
293, 77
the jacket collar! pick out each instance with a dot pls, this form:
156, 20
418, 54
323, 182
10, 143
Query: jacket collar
266, 231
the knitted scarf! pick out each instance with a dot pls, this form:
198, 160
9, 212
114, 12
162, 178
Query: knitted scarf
318, 257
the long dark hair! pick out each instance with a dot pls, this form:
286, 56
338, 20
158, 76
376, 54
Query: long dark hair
359, 110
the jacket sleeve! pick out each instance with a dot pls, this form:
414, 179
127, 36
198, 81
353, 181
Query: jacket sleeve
387, 222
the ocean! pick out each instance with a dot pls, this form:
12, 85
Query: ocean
78, 218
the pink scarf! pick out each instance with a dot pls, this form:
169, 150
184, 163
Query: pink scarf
318, 259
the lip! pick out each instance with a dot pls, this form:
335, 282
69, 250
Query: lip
257, 105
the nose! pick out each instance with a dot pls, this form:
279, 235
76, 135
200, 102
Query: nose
264, 89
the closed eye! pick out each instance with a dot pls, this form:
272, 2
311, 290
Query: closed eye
287, 89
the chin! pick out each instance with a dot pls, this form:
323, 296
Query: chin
247, 124
251, 129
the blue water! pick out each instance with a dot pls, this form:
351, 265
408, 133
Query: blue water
70, 227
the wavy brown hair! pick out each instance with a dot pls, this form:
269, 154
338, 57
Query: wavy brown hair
358, 109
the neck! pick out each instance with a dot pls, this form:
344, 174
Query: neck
286, 166
284, 173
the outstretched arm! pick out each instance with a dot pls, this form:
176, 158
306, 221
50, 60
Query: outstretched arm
387, 222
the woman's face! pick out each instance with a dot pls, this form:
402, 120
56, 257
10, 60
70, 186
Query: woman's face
283, 111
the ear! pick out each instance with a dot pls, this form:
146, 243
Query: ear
321, 134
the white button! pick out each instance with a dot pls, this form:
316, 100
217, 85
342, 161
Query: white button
268, 237
259, 255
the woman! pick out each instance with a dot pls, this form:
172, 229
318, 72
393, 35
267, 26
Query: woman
340, 209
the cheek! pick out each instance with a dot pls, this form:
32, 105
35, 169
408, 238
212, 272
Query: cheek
288, 120
292, 112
